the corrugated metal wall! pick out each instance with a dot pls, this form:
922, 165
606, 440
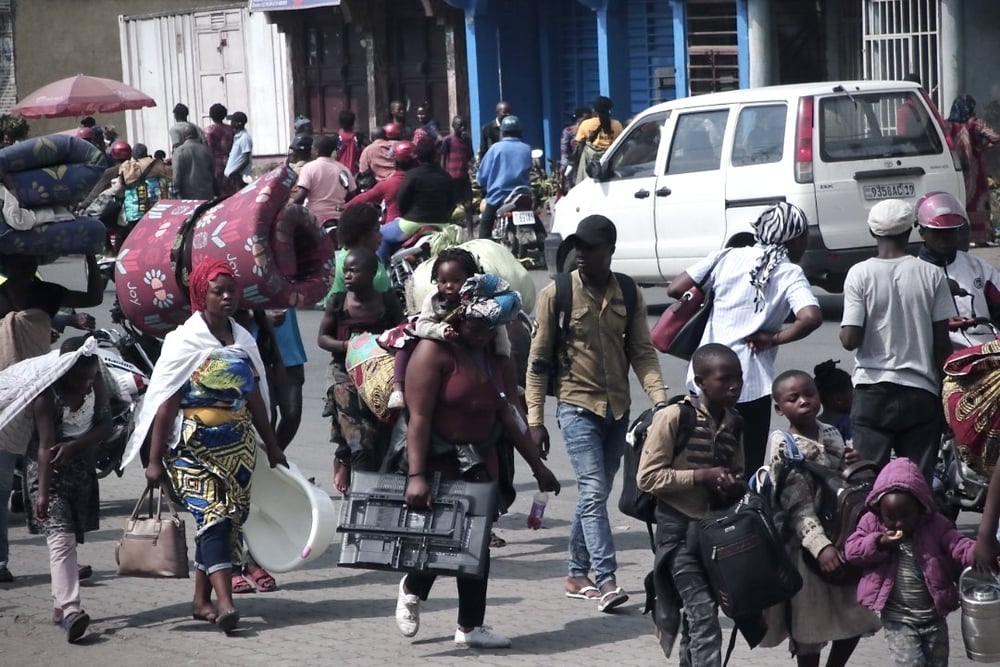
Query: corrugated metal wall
8, 83
578, 81
651, 53
222, 55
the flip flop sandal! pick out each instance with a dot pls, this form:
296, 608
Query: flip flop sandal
263, 580
242, 585
210, 617
612, 599
584, 593
228, 620
85, 572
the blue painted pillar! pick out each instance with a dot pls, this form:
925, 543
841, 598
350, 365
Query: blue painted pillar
679, 11
612, 55
483, 62
743, 43
548, 17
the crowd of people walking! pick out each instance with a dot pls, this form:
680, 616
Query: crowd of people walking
229, 377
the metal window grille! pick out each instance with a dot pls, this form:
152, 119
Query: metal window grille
900, 37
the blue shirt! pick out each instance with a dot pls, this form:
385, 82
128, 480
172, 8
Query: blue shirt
242, 145
506, 165
290, 340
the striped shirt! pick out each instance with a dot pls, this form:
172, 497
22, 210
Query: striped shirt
909, 601
735, 318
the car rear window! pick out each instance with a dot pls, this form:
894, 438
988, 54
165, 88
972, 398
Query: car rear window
864, 126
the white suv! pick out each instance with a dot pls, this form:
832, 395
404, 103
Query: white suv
690, 176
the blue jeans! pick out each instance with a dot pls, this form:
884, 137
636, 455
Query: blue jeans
212, 549
595, 446
392, 239
7, 463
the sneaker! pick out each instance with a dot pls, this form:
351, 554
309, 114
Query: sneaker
396, 400
75, 625
407, 612
481, 637
5, 576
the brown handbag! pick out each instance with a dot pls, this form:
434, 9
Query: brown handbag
153, 546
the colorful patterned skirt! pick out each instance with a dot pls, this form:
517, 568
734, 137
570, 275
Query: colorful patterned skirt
212, 469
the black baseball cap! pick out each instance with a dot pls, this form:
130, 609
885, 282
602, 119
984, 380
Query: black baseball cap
238, 116
302, 142
594, 230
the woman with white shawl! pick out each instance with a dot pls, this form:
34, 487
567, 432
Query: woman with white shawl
206, 398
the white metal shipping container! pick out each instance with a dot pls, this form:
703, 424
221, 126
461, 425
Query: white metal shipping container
200, 57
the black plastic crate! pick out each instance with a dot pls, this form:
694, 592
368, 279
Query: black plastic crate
451, 539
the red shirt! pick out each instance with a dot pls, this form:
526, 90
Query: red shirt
384, 191
455, 156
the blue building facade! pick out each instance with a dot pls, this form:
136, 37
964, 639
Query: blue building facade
548, 58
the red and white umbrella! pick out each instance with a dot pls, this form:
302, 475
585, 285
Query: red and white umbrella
81, 95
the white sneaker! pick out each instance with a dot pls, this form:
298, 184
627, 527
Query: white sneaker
396, 400
481, 637
408, 612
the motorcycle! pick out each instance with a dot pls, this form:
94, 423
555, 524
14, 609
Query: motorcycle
129, 383
516, 227
956, 486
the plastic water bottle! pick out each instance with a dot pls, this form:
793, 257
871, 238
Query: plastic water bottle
537, 510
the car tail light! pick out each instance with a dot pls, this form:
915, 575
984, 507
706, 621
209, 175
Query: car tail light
804, 141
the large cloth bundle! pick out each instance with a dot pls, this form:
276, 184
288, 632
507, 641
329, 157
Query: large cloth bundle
50, 171
279, 256
492, 258
971, 397
79, 236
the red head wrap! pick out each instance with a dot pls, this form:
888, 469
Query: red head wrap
201, 276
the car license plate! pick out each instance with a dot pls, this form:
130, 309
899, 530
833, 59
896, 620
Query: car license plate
523, 218
891, 191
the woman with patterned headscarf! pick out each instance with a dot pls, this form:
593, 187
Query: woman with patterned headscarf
205, 400
456, 392
971, 137
755, 288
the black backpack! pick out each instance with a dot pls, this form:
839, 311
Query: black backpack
564, 307
641, 504
744, 558
840, 502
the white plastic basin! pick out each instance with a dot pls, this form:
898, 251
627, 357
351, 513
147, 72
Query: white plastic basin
291, 521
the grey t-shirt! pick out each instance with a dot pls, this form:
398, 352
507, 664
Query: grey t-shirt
896, 301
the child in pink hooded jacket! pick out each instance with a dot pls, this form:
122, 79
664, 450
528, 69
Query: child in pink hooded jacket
909, 554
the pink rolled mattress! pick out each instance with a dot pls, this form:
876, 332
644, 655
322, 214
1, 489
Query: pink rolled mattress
280, 257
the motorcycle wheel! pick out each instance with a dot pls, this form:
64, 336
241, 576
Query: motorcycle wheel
510, 242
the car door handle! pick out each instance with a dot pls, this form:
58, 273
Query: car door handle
641, 194
663, 192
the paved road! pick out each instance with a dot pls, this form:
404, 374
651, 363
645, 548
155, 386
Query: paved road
323, 614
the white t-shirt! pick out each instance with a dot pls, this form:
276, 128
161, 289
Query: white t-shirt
982, 282
734, 317
242, 145
895, 301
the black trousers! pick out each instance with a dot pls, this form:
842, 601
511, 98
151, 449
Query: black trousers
486, 220
471, 594
892, 418
756, 427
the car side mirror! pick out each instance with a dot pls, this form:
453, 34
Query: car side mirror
594, 170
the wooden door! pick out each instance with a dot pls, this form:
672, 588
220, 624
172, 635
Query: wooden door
335, 66
221, 61
417, 61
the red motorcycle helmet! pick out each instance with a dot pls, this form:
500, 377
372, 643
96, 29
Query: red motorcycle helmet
121, 151
940, 210
392, 131
404, 151
85, 133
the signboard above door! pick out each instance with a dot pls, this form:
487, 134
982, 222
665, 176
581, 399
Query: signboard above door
279, 5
